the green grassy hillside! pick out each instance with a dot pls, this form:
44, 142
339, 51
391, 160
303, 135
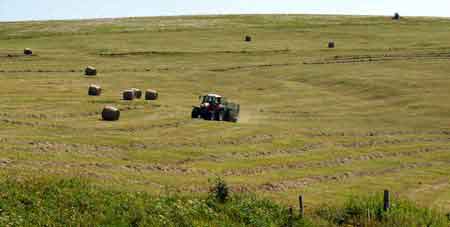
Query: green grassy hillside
371, 114
75, 202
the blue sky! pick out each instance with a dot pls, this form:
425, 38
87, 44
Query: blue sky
13, 10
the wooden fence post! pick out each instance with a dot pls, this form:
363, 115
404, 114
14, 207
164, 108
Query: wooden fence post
387, 200
301, 206
291, 217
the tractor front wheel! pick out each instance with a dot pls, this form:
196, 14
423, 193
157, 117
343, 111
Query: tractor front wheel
208, 116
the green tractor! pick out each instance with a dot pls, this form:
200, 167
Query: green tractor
216, 107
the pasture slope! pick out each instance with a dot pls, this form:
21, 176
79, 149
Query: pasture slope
371, 114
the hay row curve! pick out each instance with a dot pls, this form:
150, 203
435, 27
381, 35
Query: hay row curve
342, 161
158, 168
18, 56
282, 186
145, 53
318, 179
87, 114
378, 58
141, 128
251, 67
31, 124
312, 147
335, 60
80, 71
102, 150
378, 133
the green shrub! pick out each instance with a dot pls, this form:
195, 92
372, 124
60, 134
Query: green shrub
219, 191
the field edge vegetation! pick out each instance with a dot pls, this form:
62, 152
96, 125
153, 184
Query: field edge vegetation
77, 202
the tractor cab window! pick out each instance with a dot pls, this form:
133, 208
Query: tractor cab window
209, 99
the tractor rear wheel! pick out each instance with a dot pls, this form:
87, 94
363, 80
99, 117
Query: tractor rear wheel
226, 116
195, 112
233, 117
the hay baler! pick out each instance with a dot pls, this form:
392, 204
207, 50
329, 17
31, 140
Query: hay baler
216, 107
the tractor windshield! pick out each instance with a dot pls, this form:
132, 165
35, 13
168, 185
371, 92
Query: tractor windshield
209, 99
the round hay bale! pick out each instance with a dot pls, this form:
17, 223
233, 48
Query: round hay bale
27, 51
248, 38
94, 90
128, 94
331, 44
137, 93
151, 94
90, 71
110, 113
396, 16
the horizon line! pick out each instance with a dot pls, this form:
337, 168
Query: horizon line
213, 15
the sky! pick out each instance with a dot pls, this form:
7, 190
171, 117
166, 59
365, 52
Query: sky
18, 10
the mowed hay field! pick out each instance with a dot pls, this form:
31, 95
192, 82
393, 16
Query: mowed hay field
371, 114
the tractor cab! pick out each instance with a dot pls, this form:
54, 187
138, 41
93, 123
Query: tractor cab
211, 99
